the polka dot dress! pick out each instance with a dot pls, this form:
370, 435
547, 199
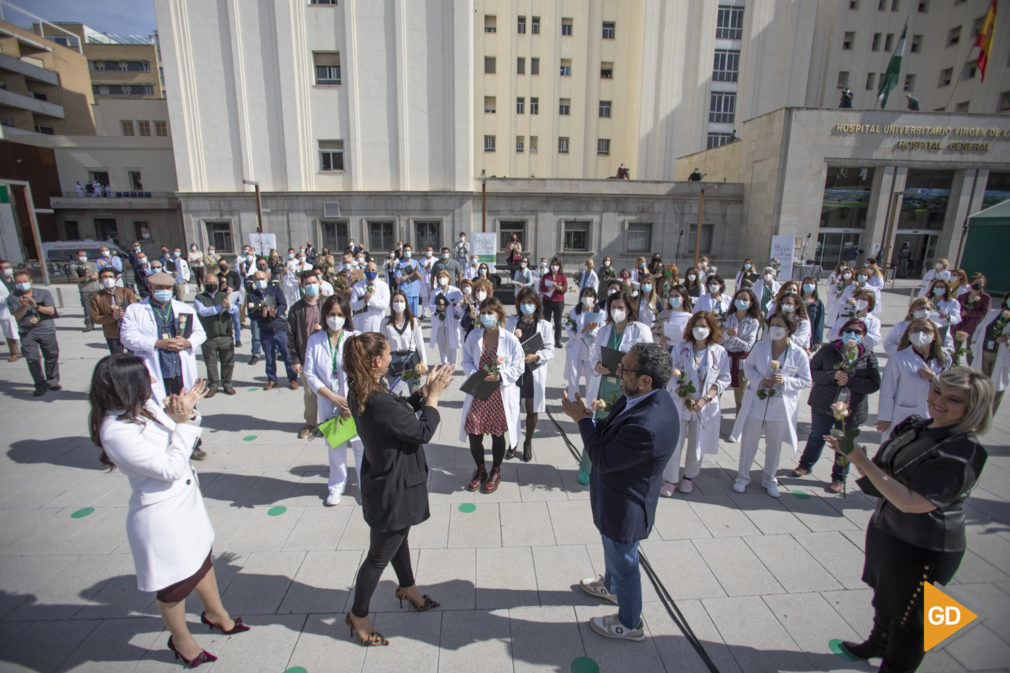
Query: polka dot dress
487, 417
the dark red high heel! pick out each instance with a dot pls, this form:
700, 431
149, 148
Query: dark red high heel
238, 628
203, 658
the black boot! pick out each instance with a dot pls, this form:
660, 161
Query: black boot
874, 646
531, 426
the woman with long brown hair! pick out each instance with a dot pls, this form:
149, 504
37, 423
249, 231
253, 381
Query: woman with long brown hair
394, 472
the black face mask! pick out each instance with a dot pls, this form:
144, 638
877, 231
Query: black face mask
261, 268
224, 269
977, 287
210, 288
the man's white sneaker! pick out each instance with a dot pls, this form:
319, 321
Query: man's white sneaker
594, 586
333, 499
609, 626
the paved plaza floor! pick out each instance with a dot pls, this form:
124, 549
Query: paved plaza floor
764, 584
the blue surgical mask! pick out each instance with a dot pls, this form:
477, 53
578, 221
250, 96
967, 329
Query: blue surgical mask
852, 337
646, 289
371, 275
809, 287
741, 304
747, 267
24, 287
163, 296
939, 291
488, 321
676, 302
445, 255
527, 309
312, 290
407, 254
260, 284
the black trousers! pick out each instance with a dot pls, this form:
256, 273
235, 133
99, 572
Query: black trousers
32, 342
385, 547
553, 311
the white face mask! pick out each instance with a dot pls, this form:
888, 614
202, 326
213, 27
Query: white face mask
82, 260
769, 277
399, 307
777, 332
713, 288
482, 295
335, 323
619, 315
920, 313
860, 304
443, 281
920, 339
588, 302
467, 290
846, 276
691, 276
700, 333
606, 262
788, 308
554, 268
108, 283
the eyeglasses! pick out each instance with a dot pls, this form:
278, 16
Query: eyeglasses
621, 369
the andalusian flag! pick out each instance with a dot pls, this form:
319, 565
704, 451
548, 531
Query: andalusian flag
890, 78
984, 39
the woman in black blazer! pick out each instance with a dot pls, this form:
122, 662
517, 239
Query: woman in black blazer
394, 473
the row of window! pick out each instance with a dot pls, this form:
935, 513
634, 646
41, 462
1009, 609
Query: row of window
142, 127
729, 23
923, 5
121, 66
567, 26
491, 67
123, 89
968, 71
564, 106
491, 145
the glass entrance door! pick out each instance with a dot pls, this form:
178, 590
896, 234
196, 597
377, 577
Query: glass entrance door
922, 251
835, 246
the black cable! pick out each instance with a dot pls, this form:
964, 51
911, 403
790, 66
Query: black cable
664, 595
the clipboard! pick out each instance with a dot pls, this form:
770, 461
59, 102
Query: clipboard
184, 326
610, 358
533, 344
477, 387
593, 316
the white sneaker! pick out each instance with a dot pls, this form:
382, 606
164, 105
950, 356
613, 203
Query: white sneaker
594, 586
739, 486
685, 485
773, 490
610, 626
332, 500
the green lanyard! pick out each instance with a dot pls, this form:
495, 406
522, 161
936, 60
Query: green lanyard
334, 350
165, 314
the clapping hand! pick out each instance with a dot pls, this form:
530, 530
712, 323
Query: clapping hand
438, 380
180, 407
575, 410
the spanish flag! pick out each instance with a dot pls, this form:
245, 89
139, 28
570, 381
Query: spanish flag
984, 39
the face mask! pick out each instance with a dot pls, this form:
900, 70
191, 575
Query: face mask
24, 287
82, 260
260, 284
174, 254
777, 332
392, 257
522, 265
861, 279
746, 267
768, 277
482, 295
488, 321
676, 302
846, 276
943, 275
335, 323
860, 304
209, 252
527, 309
920, 338
939, 291
611, 291
399, 307
977, 287
644, 266
108, 283
467, 290
223, 267
809, 288
137, 248
920, 313
588, 302
482, 272
445, 255
788, 308
634, 293
700, 333
704, 265
554, 268
620, 315
939, 267
741, 304
312, 289
443, 281
163, 296
852, 337
427, 253
371, 275
691, 277
291, 255
193, 248
155, 269
211, 289
713, 288
408, 254
606, 262
106, 253
646, 288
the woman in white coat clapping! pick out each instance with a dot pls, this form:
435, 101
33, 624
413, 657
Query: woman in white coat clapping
324, 372
905, 383
167, 525
498, 353
446, 305
716, 301
777, 370
700, 375
989, 351
527, 323
582, 332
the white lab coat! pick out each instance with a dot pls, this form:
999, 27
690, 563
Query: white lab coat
951, 308
707, 302
167, 525
544, 355
795, 370
1001, 370
902, 391
646, 313
634, 333
453, 313
590, 279
510, 370
672, 324
715, 374
290, 285
928, 279
579, 351
372, 311
893, 340
318, 370
850, 290
139, 332
8, 326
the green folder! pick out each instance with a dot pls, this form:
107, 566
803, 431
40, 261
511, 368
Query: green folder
338, 430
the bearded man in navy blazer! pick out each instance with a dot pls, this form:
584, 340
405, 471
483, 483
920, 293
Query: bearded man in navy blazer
629, 450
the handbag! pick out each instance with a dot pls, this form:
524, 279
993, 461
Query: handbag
400, 362
337, 430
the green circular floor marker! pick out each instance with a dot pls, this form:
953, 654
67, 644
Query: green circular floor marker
296, 669
467, 507
252, 390
248, 438
585, 665
81, 513
802, 495
836, 647
276, 511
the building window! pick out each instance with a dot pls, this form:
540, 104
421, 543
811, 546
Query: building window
533, 144
969, 70
894, 5
870, 77
729, 23
335, 234
565, 107
323, 2
98, 66
143, 127
608, 30
508, 227
843, 79
606, 70
327, 65
954, 36
521, 25
490, 23
135, 180
160, 128
489, 142
719, 139
490, 105
566, 67
1004, 102
923, 6
562, 145
566, 27
875, 45
706, 238
521, 105
722, 107
520, 145
603, 146
889, 42
219, 236
127, 126
605, 108
727, 65
639, 237
535, 25
946, 76
847, 40
72, 230
520, 66
853, 4
380, 235
909, 82
916, 45
534, 105
534, 65
881, 5
489, 65
427, 232
141, 231
961, 107
331, 155
576, 236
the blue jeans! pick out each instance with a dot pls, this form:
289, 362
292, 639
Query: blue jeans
273, 342
623, 579
254, 328
821, 424
115, 346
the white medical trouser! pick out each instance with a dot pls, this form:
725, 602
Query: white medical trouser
338, 464
688, 445
776, 433
446, 354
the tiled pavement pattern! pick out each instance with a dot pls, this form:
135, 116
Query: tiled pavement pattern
765, 584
